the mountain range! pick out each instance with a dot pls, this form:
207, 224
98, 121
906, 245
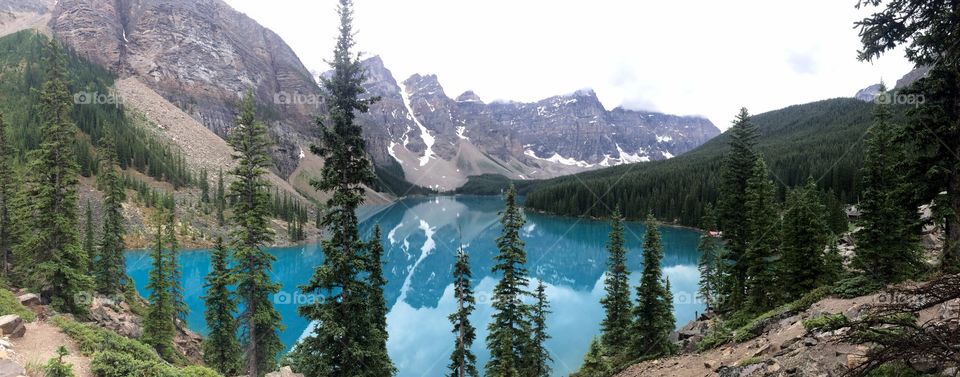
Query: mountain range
202, 55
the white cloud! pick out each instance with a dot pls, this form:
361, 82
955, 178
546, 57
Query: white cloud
682, 57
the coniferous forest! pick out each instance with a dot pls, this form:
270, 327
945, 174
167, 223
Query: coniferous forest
797, 212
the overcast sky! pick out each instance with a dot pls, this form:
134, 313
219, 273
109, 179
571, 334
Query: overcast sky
680, 56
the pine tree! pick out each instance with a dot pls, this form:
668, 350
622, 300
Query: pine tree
339, 344
260, 320
221, 199
927, 31
737, 169
378, 304
710, 261
158, 326
836, 216
180, 309
594, 364
463, 363
204, 186
653, 314
804, 239
51, 255
507, 337
536, 358
615, 327
6, 197
56, 367
762, 234
111, 272
888, 249
221, 351
88, 247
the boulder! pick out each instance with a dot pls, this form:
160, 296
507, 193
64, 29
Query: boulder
284, 372
12, 325
107, 314
9, 368
29, 299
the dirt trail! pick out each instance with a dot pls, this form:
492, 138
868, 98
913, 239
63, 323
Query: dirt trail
40, 344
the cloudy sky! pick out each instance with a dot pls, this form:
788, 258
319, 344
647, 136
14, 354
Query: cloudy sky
685, 57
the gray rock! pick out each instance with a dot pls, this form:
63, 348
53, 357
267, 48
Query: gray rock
29, 299
9, 368
12, 325
810, 341
284, 372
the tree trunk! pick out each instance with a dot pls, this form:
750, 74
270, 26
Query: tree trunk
252, 331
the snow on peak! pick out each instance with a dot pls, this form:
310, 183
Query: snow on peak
626, 158
663, 139
557, 158
428, 139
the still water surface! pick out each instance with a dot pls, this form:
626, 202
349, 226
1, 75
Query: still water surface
420, 238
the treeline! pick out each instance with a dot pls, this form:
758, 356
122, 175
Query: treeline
820, 139
99, 112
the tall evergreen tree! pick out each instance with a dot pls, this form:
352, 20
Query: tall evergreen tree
653, 314
111, 272
180, 309
339, 344
463, 363
88, 244
888, 248
710, 261
261, 321
594, 364
51, 255
836, 215
762, 235
204, 186
158, 326
378, 304
804, 239
221, 351
6, 197
927, 30
536, 358
221, 203
507, 335
615, 328
737, 169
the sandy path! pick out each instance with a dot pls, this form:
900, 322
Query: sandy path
40, 344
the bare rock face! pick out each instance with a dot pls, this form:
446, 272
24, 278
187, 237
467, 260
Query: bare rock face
284, 372
116, 317
201, 55
12, 325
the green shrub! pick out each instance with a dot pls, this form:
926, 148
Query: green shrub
719, 334
856, 286
56, 367
10, 304
750, 361
826, 322
755, 327
92, 339
198, 371
895, 370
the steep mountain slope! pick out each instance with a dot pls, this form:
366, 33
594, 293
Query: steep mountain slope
202, 55
438, 141
820, 139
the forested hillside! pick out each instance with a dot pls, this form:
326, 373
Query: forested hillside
819, 139
23, 67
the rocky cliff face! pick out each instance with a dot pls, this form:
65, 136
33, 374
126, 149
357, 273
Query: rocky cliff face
420, 127
201, 55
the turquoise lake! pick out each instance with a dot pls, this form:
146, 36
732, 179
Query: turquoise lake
421, 237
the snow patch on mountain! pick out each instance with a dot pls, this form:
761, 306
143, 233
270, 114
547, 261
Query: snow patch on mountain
428, 139
557, 158
462, 132
626, 158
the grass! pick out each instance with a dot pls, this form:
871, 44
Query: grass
10, 304
750, 361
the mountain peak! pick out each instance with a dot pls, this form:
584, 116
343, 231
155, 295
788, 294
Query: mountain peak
469, 96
